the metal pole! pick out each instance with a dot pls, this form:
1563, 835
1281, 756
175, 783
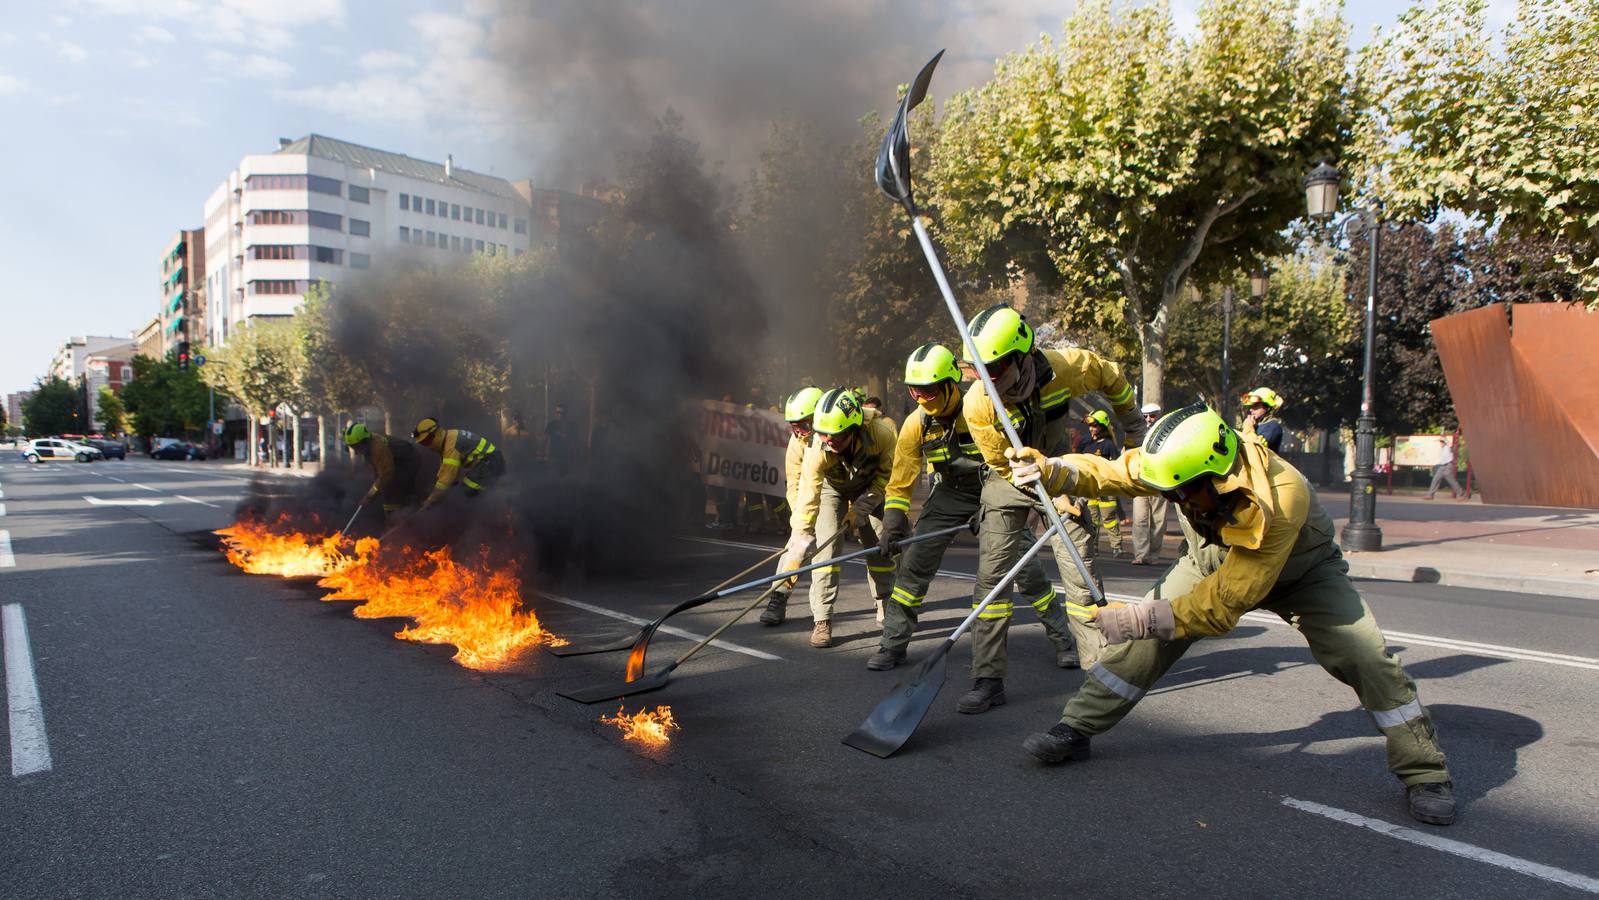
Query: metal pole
1226, 354
1361, 532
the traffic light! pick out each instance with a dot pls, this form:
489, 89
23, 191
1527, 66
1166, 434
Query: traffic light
183, 356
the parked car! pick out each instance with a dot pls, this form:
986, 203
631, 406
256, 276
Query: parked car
111, 449
52, 449
178, 450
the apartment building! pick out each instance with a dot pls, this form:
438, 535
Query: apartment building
182, 313
72, 357
322, 210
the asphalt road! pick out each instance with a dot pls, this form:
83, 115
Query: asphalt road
216, 734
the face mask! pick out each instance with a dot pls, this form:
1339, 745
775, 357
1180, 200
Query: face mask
939, 405
1017, 382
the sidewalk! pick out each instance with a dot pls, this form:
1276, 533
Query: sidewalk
1530, 550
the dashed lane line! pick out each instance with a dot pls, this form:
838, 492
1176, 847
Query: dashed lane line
2, 509
1265, 618
665, 629
7, 558
1433, 841
30, 746
201, 502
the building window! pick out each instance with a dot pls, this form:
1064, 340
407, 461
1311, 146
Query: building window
278, 217
358, 227
480, 217
405, 235
360, 194
455, 242
405, 201
430, 239
502, 220
429, 206
330, 255
275, 183
324, 185
277, 251
455, 211
329, 221
478, 246
466, 213
504, 250
360, 261
278, 287
521, 226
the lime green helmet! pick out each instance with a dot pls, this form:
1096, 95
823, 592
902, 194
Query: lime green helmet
999, 331
1098, 417
1190, 443
1263, 395
357, 433
802, 403
838, 411
930, 364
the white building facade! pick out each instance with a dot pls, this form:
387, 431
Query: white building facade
323, 210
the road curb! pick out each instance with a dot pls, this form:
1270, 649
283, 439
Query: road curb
1520, 584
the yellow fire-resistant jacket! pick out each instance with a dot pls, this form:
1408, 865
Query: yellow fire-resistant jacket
1042, 422
867, 468
1279, 533
931, 441
462, 449
381, 459
793, 459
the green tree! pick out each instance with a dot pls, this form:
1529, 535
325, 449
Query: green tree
54, 408
331, 380
110, 411
1126, 162
261, 366
164, 400
1505, 127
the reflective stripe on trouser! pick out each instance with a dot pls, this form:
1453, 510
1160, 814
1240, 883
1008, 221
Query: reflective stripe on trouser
1149, 526
1105, 513
918, 564
1003, 536
1343, 638
824, 581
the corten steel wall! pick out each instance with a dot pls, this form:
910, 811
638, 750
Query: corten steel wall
1528, 400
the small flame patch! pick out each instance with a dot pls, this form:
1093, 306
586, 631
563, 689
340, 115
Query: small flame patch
652, 728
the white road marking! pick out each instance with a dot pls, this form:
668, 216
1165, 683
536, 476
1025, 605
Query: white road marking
667, 629
146, 487
115, 478
1266, 618
30, 747
96, 501
7, 560
2, 509
201, 502
1433, 841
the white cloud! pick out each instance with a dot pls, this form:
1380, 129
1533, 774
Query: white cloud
379, 60
263, 24
63, 21
7, 37
11, 84
251, 65
139, 61
71, 52
154, 34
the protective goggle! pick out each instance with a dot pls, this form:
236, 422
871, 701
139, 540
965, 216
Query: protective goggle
926, 391
1187, 490
801, 428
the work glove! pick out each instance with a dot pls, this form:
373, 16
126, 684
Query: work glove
896, 528
368, 498
1122, 622
865, 506
1028, 466
1065, 505
1133, 425
800, 544
972, 522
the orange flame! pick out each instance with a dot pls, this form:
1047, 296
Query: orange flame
652, 728
276, 549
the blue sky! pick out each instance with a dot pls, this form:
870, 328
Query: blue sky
121, 116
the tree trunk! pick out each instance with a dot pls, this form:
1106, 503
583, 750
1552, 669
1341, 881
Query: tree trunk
253, 436
321, 438
1152, 336
295, 436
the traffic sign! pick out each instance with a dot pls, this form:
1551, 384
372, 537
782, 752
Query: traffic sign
199, 360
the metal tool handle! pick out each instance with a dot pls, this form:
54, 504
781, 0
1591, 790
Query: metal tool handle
1000, 414
1004, 583
767, 579
346, 529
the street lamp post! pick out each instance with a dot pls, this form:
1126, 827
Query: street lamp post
1257, 290
1361, 532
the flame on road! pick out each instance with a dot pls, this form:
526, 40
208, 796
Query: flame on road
652, 728
476, 607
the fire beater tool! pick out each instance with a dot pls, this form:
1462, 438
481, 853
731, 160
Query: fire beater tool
896, 718
627, 641
343, 532
635, 660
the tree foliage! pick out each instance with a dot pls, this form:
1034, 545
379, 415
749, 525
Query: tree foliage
54, 408
109, 411
261, 367
163, 399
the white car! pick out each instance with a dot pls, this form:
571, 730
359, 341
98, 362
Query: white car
52, 449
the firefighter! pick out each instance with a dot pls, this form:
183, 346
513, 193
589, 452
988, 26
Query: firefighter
465, 455
935, 435
1104, 512
394, 465
1149, 512
1036, 386
1258, 538
844, 474
1260, 409
798, 411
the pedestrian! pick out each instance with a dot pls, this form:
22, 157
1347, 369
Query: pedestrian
1258, 538
559, 449
843, 476
1036, 386
935, 436
464, 455
1104, 512
1149, 512
1445, 470
1261, 405
799, 410
396, 467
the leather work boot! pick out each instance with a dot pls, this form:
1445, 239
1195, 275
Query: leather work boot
1058, 744
885, 659
776, 609
985, 692
822, 634
1066, 658
1432, 803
